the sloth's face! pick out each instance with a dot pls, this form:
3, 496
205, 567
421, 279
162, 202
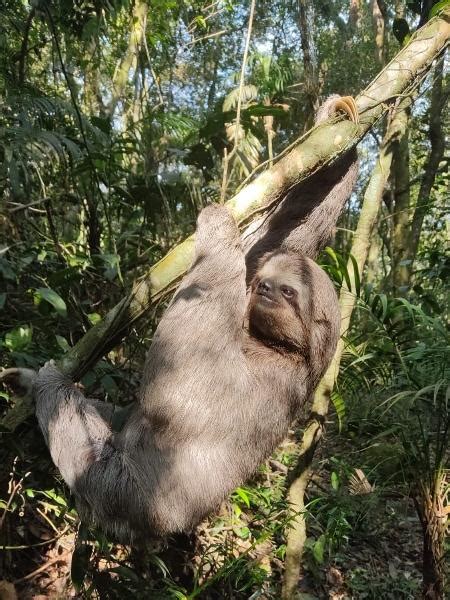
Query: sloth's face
280, 301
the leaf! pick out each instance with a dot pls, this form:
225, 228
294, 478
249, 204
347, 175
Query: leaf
242, 532
80, 565
243, 496
339, 406
335, 481
319, 549
357, 289
260, 110
249, 94
108, 384
62, 343
2, 300
438, 7
160, 564
19, 338
383, 301
94, 318
50, 296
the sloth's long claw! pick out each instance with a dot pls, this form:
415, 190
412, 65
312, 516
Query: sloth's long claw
348, 105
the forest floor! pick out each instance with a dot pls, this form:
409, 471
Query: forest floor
373, 549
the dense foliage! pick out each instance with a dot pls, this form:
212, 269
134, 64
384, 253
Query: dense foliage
119, 120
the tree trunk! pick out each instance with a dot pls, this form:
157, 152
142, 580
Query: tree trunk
379, 26
437, 142
305, 24
430, 509
401, 211
354, 15
296, 533
129, 61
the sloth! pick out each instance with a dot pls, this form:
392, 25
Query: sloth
233, 362
225, 376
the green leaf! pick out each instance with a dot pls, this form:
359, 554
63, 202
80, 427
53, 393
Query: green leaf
62, 343
339, 406
160, 564
243, 496
242, 532
319, 549
2, 300
50, 296
438, 7
260, 110
383, 301
19, 338
54, 496
335, 481
357, 289
94, 318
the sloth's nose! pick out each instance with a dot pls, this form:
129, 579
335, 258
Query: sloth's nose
265, 286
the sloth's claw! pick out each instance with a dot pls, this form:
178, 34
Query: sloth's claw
347, 104
336, 103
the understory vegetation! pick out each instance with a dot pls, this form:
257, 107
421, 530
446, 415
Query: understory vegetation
119, 121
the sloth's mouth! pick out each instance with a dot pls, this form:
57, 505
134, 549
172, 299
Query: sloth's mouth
265, 299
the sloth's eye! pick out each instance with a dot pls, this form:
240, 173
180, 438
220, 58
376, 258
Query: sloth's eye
287, 292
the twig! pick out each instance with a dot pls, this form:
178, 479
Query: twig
14, 489
207, 37
38, 544
239, 102
62, 557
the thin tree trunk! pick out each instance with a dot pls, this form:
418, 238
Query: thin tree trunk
315, 149
305, 24
296, 533
379, 26
437, 141
129, 61
430, 509
401, 211
354, 15
92, 96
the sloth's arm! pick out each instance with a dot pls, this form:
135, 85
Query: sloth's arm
213, 293
332, 185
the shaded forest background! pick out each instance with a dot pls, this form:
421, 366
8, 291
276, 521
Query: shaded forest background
119, 121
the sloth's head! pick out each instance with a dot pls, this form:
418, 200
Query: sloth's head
293, 305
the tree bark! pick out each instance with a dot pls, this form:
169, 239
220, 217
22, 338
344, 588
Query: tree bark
437, 141
305, 24
401, 210
129, 61
379, 26
431, 513
318, 147
354, 15
296, 533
